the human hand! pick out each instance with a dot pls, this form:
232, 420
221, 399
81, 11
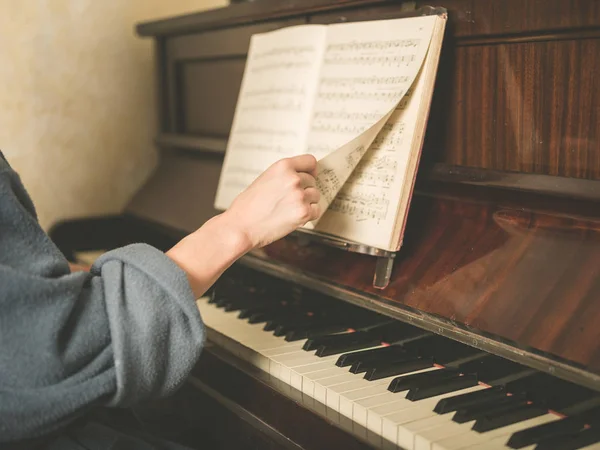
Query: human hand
280, 200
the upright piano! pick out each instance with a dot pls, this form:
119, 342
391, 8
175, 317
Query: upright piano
486, 334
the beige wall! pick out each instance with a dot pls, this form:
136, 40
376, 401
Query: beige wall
77, 111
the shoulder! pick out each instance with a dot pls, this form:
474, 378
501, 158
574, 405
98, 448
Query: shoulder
4, 165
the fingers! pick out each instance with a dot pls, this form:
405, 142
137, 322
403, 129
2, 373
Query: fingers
312, 195
315, 211
307, 181
304, 163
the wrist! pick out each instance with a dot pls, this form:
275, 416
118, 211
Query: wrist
210, 250
231, 231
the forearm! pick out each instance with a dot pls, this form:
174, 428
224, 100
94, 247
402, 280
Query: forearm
205, 254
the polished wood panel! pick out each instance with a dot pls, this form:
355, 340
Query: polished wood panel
470, 17
221, 43
521, 276
532, 96
526, 107
476, 18
515, 181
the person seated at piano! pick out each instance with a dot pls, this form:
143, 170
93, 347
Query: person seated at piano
128, 330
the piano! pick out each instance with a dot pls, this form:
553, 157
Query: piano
487, 334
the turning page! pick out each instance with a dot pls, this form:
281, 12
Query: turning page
367, 69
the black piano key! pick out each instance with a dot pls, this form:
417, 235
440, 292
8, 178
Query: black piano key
443, 350
316, 342
530, 436
285, 315
314, 330
470, 399
305, 322
431, 390
474, 412
369, 355
568, 425
493, 370
397, 368
237, 304
499, 419
245, 313
573, 441
355, 341
363, 366
551, 392
404, 383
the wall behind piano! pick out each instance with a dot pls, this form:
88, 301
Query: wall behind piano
77, 111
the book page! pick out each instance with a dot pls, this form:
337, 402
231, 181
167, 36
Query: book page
365, 208
368, 207
274, 106
368, 67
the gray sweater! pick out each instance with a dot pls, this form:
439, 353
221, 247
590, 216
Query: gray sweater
125, 332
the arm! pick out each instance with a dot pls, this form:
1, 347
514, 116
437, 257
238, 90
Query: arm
283, 198
128, 329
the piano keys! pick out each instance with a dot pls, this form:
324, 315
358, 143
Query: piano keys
433, 393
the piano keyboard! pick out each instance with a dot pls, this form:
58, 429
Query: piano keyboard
395, 385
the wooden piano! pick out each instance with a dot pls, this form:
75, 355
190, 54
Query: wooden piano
493, 305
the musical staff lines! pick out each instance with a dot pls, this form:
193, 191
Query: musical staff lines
255, 129
361, 206
294, 51
344, 115
391, 136
339, 128
280, 65
263, 148
368, 60
390, 96
354, 81
289, 106
374, 45
275, 90
328, 184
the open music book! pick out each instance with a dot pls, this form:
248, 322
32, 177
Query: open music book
354, 95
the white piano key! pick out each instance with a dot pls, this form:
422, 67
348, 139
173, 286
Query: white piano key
365, 408
393, 418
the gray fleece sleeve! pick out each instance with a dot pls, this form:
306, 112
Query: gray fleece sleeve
127, 331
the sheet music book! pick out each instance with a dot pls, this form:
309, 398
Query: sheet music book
357, 97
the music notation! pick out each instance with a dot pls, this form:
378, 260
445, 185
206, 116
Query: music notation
371, 179
361, 206
385, 162
343, 115
390, 96
369, 60
391, 135
353, 81
354, 157
374, 45
253, 129
294, 51
338, 128
281, 65
273, 148
328, 184
290, 106
275, 91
